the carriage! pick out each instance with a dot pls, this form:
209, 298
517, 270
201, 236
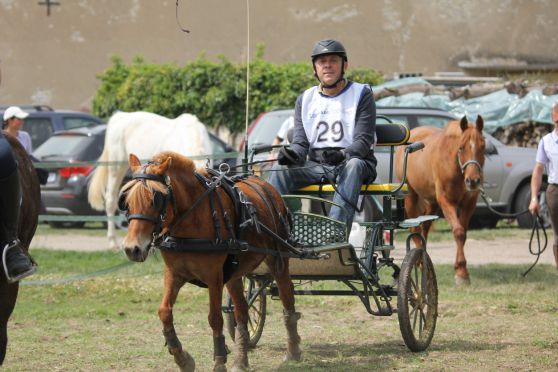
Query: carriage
215, 230
362, 268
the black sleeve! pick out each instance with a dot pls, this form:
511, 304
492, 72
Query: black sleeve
300, 142
365, 126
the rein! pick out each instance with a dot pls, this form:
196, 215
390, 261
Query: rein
231, 245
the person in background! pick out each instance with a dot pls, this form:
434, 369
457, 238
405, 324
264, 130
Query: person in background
334, 126
547, 156
13, 121
283, 133
15, 262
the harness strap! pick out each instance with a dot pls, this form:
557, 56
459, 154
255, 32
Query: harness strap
195, 245
210, 187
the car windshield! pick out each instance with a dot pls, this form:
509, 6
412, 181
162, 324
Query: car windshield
268, 126
64, 146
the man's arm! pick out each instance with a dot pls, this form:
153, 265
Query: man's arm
536, 181
300, 142
365, 126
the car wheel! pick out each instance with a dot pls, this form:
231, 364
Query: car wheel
483, 222
522, 200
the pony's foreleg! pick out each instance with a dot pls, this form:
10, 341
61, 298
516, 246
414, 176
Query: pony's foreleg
241, 338
290, 315
460, 236
215, 319
181, 357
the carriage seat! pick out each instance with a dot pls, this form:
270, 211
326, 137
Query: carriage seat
388, 135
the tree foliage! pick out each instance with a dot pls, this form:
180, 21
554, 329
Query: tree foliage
213, 91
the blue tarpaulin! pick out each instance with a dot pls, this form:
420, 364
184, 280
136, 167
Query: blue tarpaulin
498, 109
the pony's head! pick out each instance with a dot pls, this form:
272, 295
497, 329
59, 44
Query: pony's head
148, 201
470, 155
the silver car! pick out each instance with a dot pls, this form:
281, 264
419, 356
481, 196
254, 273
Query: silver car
507, 170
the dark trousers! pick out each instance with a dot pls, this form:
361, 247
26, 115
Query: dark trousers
552, 202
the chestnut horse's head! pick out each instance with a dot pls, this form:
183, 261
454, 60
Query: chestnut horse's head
147, 200
470, 155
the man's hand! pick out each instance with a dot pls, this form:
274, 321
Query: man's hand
287, 156
333, 157
534, 206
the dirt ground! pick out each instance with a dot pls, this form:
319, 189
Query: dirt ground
478, 252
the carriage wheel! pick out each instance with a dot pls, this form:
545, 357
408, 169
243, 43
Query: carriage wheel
256, 312
417, 300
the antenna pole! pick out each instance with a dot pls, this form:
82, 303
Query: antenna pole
245, 160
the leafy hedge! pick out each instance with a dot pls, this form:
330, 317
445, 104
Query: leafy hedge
213, 91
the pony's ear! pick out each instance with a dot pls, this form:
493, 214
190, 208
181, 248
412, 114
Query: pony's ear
163, 167
464, 123
134, 162
480, 123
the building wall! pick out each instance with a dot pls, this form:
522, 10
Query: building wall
55, 59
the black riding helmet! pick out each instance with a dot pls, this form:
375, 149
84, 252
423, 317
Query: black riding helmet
329, 46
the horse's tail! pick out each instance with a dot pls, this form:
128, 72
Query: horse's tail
97, 186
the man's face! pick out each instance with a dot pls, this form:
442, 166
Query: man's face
328, 68
555, 115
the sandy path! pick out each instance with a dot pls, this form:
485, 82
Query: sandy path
512, 251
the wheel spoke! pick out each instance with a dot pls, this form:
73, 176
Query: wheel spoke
414, 318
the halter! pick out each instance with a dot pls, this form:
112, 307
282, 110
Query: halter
470, 161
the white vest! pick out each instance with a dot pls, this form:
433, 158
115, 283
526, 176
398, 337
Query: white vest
330, 121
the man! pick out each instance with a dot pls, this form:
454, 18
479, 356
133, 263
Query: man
547, 156
335, 128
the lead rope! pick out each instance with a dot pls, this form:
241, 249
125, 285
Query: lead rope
538, 223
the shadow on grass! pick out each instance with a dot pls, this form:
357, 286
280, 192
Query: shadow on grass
375, 356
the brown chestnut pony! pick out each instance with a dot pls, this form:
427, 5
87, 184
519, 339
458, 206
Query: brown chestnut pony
28, 220
169, 197
446, 175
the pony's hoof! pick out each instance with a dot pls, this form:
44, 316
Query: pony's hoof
459, 281
184, 361
294, 357
239, 368
219, 365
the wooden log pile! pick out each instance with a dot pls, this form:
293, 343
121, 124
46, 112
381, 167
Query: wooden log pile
526, 134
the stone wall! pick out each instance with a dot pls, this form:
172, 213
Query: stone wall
55, 59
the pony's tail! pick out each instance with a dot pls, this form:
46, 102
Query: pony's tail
98, 184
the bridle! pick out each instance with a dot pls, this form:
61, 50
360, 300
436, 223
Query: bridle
160, 202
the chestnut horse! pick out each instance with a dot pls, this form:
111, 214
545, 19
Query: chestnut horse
168, 197
446, 175
28, 220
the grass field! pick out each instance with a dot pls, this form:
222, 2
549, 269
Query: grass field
97, 312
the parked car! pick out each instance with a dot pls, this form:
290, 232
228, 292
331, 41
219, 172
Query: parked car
43, 121
507, 170
65, 192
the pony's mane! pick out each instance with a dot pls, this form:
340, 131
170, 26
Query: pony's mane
136, 191
178, 162
135, 195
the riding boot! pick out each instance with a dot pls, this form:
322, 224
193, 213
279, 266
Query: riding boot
17, 265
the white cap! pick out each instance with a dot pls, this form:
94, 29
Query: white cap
15, 111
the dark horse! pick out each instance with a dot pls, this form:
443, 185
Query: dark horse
446, 175
28, 220
168, 197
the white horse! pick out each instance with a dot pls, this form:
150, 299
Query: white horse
144, 134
